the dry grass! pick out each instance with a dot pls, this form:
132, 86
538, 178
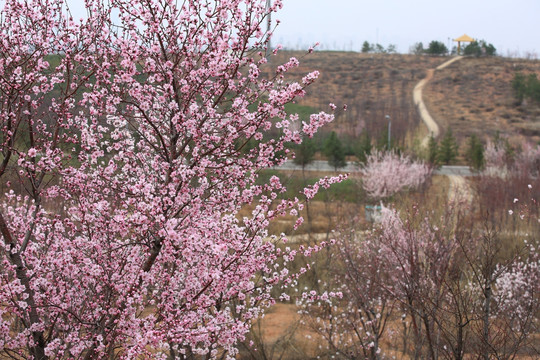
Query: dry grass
323, 218
475, 96
372, 86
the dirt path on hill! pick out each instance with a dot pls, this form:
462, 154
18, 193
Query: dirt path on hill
459, 189
419, 102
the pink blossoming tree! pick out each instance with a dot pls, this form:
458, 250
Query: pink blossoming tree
387, 173
446, 284
124, 167
352, 317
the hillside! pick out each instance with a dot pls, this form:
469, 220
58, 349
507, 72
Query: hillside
473, 95
372, 86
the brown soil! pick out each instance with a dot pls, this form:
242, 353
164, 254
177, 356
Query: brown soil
472, 96
278, 320
372, 86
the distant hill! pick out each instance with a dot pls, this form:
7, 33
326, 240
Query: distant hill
473, 95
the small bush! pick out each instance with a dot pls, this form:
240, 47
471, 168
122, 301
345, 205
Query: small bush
436, 48
480, 48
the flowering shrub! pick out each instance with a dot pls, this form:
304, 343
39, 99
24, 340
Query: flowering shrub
386, 173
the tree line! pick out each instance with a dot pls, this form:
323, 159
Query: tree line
475, 48
336, 149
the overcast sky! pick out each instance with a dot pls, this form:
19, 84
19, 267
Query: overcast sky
344, 24
510, 25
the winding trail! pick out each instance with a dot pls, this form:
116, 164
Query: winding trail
459, 190
419, 102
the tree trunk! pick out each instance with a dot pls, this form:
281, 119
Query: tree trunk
429, 336
458, 351
487, 310
38, 350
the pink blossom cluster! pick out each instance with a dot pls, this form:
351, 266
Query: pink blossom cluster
325, 183
500, 163
517, 289
124, 139
386, 173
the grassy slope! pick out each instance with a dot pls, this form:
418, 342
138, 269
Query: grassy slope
473, 95
372, 86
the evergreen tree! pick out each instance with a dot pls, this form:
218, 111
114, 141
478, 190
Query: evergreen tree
473, 49
448, 149
304, 152
475, 153
334, 151
436, 48
519, 86
433, 149
363, 147
480, 48
533, 87
526, 87
366, 47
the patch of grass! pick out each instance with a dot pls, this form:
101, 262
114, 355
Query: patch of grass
303, 111
349, 190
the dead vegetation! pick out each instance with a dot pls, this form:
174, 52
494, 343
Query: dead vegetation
472, 96
475, 96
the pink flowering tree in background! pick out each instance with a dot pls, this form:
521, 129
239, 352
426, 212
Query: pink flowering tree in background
499, 163
352, 319
495, 160
427, 285
418, 252
123, 168
393, 274
509, 175
386, 173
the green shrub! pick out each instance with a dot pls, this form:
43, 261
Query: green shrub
480, 48
436, 48
526, 87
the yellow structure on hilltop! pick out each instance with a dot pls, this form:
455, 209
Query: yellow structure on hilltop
462, 38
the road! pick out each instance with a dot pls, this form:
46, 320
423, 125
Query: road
321, 165
459, 189
432, 126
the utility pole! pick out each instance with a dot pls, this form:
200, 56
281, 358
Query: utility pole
268, 26
389, 129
